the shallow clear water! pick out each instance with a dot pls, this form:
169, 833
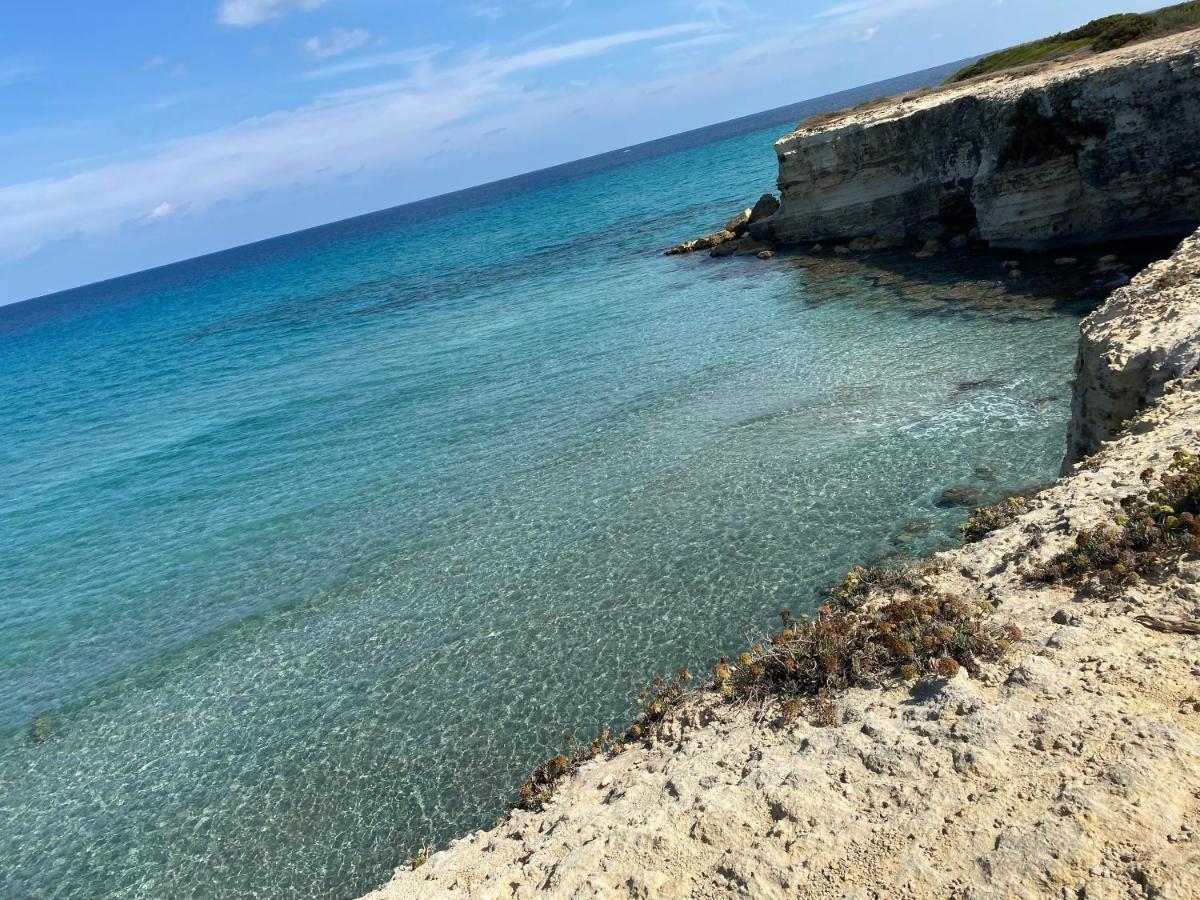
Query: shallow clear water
310, 552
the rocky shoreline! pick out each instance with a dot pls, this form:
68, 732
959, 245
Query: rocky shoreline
1068, 768
1069, 765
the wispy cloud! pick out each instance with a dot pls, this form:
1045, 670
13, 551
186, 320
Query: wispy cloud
702, 40
336, 42
386, 124
244, 13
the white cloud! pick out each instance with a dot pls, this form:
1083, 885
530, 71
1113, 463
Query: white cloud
155, 62
703, 40
389, 124
244, 13
336, 42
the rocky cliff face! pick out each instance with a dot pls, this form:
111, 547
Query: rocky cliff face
1079, 152
1145, 336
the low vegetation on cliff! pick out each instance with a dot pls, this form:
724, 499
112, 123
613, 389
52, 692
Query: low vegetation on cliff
1151, 531
1096, 36
915, 634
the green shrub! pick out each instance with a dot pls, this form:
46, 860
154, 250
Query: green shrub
1099, 35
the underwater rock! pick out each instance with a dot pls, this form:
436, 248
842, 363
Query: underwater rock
959, 495
912, 530
41, 730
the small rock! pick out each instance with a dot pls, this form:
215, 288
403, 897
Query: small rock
1015, 273
739, 223
1066, 261
1063, 617
842, 249
817, 248
959, 242
766, 254
1012, 264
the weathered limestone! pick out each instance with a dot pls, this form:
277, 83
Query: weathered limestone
1145, 336
1078, 152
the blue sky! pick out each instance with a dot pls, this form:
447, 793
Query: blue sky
137, 133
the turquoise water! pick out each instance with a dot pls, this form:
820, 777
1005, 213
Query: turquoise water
311, 551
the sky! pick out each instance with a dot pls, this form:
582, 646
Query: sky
137, 133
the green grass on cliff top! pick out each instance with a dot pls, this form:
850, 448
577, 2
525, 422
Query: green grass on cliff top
1097, 36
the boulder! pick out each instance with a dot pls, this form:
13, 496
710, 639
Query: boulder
766, 207
739, 223
725, 248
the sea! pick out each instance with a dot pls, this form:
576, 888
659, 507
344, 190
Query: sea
312, 549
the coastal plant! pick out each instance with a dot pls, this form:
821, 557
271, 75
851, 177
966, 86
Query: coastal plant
862, 581
418, 858
881, 625
1140, 543
1098, 36
987, 519
927, 634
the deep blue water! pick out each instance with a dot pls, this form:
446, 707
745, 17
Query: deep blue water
311, 549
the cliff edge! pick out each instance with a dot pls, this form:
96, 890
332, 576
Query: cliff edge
1069, 153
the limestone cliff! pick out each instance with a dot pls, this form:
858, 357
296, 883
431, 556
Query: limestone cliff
1145, 336
1077, 152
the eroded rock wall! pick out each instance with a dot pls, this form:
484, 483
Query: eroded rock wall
1083, 152
1143, 337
